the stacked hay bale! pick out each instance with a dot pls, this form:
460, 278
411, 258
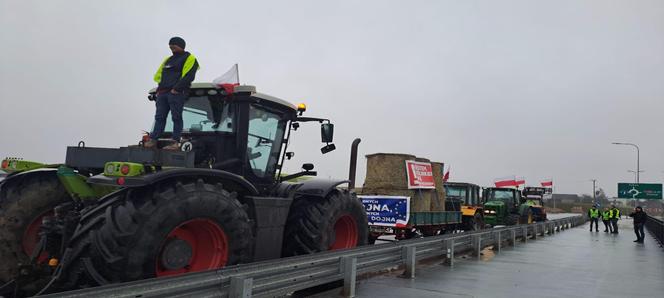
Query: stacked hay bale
438, 201
386, 175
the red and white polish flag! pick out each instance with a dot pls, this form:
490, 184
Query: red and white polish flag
229, 80
505, 181
520, 181
547, 182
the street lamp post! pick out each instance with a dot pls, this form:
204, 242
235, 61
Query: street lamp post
638, 170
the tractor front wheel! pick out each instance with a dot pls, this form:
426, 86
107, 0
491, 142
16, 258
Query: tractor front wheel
315, 224
24, 202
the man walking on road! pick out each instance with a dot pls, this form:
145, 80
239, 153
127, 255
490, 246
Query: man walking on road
615, 216
606, 219
174, 77
640, 218
593, 214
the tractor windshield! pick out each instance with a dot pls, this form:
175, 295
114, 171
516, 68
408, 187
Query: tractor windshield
457, 192
204, 114
503, 194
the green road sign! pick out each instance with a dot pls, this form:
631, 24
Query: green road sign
652, 191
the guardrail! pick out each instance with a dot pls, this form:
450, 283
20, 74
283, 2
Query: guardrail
656, 227
282, 276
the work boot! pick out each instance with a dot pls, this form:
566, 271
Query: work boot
175, 146
151, 143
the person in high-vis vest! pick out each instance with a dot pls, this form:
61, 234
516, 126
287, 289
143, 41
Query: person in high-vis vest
174, 77
593, 215
606, 219
615, 216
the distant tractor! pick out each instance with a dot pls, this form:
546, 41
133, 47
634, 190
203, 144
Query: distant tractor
113, 215
467, 195
503, 207
534, 196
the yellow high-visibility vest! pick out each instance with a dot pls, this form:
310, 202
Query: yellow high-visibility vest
188, 65
594, 213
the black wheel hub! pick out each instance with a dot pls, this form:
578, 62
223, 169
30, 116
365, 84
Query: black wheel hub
176, 254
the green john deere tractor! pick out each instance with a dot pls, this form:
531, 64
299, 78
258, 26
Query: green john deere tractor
112, 215
503, 207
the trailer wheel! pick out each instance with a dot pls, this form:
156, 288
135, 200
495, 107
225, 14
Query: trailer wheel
165, 230
24, 202
527, 218
315, 224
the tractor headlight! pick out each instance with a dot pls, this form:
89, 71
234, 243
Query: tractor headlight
110, 168
489, 212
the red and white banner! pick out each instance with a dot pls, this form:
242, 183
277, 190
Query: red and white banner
547, 182
520, 180
229, 80
505, 181
420, 175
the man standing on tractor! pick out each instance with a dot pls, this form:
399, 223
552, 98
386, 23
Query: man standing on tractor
174, 77
593, 214
606, 219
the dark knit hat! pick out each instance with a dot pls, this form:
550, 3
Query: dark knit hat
178, 41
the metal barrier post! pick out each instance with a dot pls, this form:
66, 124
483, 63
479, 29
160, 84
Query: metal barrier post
525, 234
241, 286
513, 237
450, 252
408, 253
477, 243
499, 240
535, 231
350, 274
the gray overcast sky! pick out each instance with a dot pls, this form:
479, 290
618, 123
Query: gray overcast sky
494, 88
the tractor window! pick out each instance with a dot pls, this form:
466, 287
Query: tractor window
503, 194
453, 191
204, 113
266, 130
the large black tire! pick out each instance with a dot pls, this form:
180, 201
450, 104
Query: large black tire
23, 201
314, 224
474, 223
527, 217
123, 238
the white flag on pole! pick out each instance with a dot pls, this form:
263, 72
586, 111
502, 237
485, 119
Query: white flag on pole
229, 80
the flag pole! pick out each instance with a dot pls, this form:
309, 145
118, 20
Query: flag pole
237, 72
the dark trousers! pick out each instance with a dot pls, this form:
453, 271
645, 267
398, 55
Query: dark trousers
638, 229
168, 102
596, 222
607, 226
614, 223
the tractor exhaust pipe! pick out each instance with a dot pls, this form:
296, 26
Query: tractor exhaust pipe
353, 163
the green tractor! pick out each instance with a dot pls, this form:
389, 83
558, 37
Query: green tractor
503, 207
113, 215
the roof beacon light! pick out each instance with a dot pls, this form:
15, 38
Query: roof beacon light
301, 107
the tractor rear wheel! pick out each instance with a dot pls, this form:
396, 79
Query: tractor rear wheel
24, 202
527, 218
165, 230
474, 223
314, 224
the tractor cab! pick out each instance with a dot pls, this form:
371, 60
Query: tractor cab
467, 195
244, 133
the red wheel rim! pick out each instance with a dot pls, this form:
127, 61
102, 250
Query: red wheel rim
345, 231
31, 236
208, 242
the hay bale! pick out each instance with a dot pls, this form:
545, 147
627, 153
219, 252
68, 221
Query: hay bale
387, 171
386, 175
438, 201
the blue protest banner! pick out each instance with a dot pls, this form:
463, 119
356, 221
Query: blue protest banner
388, 211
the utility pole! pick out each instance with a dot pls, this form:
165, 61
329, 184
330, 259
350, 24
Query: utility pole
594, 198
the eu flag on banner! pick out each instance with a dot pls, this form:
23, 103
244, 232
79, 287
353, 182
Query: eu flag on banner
388, 211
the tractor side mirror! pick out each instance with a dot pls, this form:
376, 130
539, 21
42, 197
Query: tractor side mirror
327, 132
